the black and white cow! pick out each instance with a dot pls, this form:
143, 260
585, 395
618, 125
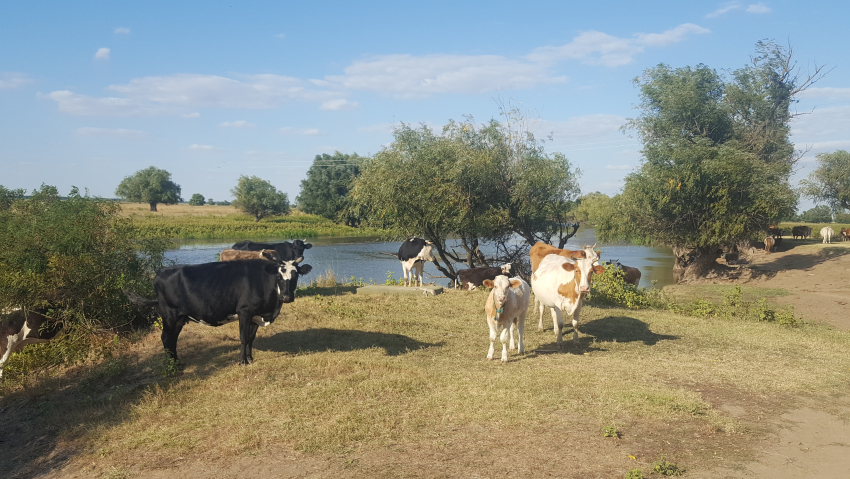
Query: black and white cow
472, 278
251, 291
20, 327
413, 254
286, 251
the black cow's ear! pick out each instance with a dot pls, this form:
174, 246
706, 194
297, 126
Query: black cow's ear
304, 269
307, 245
271, 268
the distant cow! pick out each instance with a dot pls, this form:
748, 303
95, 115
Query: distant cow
250, 291
768, 244
630, 275
20, 327
286, 251
561, 284
232, 254
506, 307
827, 233
413, 254
802, 231
474, 277
845, 234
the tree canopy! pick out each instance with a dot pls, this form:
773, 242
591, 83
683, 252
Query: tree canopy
476, 183
151, 185
717, 157
197, 200
259, 198
830, 182
325, 190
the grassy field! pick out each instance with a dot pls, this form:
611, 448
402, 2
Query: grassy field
183, 221
378, 386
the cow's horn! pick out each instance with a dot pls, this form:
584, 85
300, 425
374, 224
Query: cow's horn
298, 260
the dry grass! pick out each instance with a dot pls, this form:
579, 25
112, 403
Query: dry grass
182, 209
371, 379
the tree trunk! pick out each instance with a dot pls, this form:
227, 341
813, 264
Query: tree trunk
153, 206
693, 264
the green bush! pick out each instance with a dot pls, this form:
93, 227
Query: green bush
610, 288
72, 258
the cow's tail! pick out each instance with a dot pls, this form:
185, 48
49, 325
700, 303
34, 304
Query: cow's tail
136, 299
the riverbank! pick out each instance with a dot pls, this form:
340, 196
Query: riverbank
222, 222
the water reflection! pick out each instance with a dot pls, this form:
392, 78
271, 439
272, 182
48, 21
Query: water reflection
367, 258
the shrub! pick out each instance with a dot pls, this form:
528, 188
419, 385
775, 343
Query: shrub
610, 288
666, 468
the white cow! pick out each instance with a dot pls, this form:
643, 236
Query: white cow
827, 233
561, 283
506, 307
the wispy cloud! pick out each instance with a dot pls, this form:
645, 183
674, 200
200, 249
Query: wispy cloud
288, 130
9, 80
758, 8
122, 31
102, 54
237, 124
111, 132
379, 128
280, 35
598, 48
724, 10
340, 104
829, 93
197, 147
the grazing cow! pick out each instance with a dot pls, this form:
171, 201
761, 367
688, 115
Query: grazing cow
540, 250
768, 244
413, 254
630, 275
561, 284
232, 254
286, 251
20, 327
827, 233
474, 277
731, 258
802, 231
506, 307
845, 234
251, 291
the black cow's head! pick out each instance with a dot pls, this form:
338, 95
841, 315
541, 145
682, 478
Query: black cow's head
287, 273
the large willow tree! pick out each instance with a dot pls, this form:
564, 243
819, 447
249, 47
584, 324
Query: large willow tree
476, 183
717, 157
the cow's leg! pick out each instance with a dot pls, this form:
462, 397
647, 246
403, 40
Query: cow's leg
172, 324
491, 323
557, 323
247, 332
405, 271
541, 308
575, 325
504, 338
520, 330
510, 325
419, 268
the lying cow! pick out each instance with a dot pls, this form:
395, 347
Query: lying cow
474, 277
250, 291
802, 232
506, 307
286, 251
20, 327
561, 284
232, 254
413, 254
827, 233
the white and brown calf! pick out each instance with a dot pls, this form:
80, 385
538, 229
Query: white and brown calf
561, 284
506, 308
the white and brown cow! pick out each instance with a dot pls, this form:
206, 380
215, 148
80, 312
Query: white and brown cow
540, 250
20, 327
232, 254
506, 308
561, 284
413, 254
827, 233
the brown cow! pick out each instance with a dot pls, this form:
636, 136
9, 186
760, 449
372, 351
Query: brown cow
232, 254
845, 234
630, 275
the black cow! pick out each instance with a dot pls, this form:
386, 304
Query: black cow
413, 254
21, 327
286, 250
802, 231
251, 291
474, 277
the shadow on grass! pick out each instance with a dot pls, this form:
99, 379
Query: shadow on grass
309, 291
326, 339
623, 329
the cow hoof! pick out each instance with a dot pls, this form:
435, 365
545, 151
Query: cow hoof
489, 359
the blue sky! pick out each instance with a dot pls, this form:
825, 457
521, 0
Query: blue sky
93, 91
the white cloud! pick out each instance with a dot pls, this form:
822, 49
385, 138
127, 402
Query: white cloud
194, 114
197, 147
288, 130
9, 80
111, 132
281, 35
583, 132
102, 54
408, 76
82, 105
724, 10
237, 124
822, 124
829, 93
598, 48
122, 31
339, 104
758, 8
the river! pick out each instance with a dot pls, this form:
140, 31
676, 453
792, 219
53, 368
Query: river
368, 258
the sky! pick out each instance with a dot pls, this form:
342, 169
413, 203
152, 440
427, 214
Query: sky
91, 92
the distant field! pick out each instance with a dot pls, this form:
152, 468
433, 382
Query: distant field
217, 222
